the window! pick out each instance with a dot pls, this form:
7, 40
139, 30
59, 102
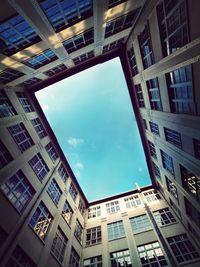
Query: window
16, 34
196, 148
132, 202
173, 137
132, 61
5, 156
51, 152
94, 212
112, 207
41, 59
156, 170
93, 262
54, 191
18, 190
62, 14
24, 102
172, 17
63, 173
81, 207
180, 90
182, 248
151, 255
74, 258
113, 3
8, 75
154, 95
21, 136
6, 108
41, 221
120, 258
3, 236
152, 150
93, 236
20, 258
55, 70
176, 209
146, 47
154, 128
83, 57
73, 192
139, 94
164, 217
78, 232
67, 212
140, 224
38, 128
120, 23
113, 45
171, 188
151, 196
79, 41
59, 245
29, 82
39, 166
192, 212
116, 230
190, 182
167, 162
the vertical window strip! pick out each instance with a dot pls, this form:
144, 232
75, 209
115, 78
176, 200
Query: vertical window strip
41, 221
154, 94
54, 191
67, 212
21, 136
39, 166
59, 245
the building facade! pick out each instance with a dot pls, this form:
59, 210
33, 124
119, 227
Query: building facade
46, 219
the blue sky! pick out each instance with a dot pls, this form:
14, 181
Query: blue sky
92, 117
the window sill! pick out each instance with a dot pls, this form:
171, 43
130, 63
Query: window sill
117, 238
91, 245
60, 264
143, 231
169, 224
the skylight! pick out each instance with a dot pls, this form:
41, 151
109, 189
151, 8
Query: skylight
92, 117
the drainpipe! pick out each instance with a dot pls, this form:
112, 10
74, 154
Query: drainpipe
156, 229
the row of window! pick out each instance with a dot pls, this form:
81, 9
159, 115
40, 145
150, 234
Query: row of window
174, 34
130, 202
172, 137
190, 181
13, 39
150, 254
20, 192
180, 91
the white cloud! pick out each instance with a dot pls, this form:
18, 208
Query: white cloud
75, 141
44, 107
79, 165
140, 169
